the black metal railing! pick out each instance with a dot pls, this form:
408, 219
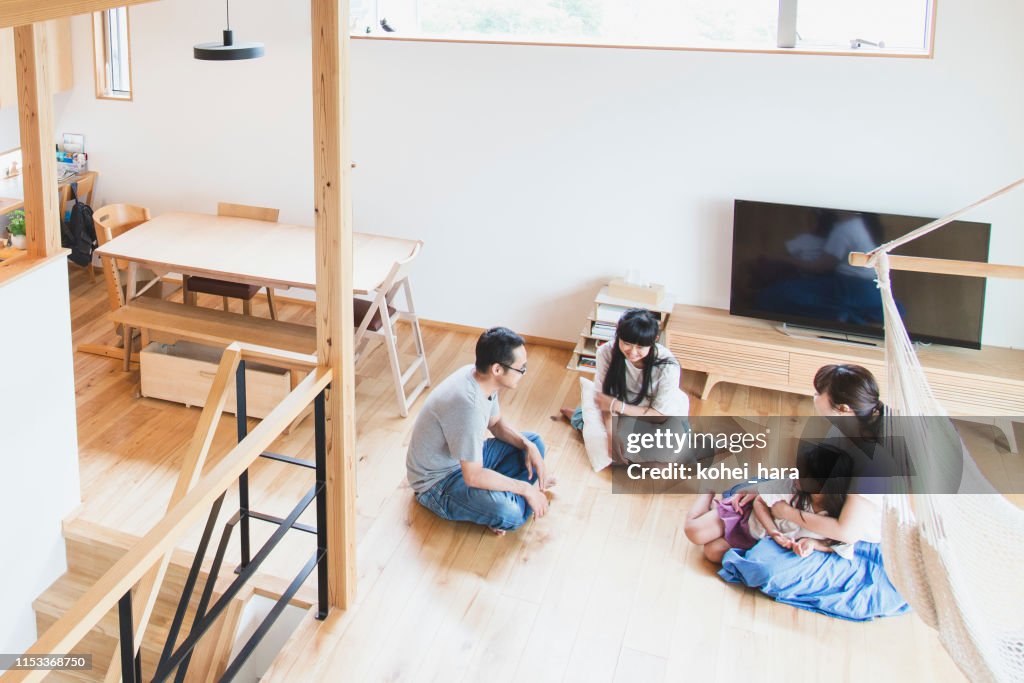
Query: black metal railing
175, 659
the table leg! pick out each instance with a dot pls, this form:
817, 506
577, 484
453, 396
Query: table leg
127, 333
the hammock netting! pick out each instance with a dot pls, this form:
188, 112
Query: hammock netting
957, 558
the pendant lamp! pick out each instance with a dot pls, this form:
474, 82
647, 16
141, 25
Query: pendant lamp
228, 49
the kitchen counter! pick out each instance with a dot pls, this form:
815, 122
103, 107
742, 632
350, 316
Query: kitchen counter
9, 254
12, 191
11, 194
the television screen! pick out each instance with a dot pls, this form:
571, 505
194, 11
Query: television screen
789, 264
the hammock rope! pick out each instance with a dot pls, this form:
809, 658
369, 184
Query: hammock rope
956, 558
939, 222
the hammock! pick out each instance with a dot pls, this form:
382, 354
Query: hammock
956, 558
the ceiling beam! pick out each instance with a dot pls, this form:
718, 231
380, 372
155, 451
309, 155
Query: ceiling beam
21, 12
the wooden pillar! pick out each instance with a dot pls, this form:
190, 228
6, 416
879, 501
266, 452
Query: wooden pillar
35, 118
335, 329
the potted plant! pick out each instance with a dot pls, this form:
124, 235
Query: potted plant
17, 229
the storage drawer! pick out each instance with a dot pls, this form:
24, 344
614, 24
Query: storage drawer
184, 372
803, 367
982, 396
738, 360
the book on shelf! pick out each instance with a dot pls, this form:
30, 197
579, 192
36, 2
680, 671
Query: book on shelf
587, 362
602, 330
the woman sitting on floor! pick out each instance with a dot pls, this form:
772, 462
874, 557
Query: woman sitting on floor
636, 376
856, 588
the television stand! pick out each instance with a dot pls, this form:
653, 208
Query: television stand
987, 384
834, 336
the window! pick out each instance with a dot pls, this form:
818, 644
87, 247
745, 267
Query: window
112, 54
895, 24
901, 26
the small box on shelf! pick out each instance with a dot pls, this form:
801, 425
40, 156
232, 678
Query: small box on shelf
649, 295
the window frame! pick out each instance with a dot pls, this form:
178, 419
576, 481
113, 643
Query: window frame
928, 52
101, 50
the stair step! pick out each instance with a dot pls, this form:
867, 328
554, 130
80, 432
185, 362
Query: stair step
68, 588
103, 638
92, 549
71, 676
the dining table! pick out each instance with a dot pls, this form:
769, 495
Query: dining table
245, 250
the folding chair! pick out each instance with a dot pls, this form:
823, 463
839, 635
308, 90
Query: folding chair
377, 317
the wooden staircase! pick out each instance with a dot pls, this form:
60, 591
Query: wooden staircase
91, 550
103, 564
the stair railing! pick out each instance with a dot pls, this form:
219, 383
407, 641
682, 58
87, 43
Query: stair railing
144, 565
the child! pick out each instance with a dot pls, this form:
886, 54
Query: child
821, 489
635, 376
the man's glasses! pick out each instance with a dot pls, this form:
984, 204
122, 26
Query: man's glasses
521, 371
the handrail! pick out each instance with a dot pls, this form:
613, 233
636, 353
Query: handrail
191, 467
286, 359
120, 578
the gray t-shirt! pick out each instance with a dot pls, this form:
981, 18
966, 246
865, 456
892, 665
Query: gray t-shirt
450, 428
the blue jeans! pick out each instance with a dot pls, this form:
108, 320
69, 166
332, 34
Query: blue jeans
452, 499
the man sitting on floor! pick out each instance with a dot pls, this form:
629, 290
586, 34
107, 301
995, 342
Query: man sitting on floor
453, 471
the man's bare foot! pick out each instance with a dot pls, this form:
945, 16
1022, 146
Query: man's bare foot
496, 532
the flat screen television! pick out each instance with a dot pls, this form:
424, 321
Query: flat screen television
789, 264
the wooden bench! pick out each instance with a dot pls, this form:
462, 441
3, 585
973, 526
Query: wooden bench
169, 321
209, 326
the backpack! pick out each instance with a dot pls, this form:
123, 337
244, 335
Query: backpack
78, 232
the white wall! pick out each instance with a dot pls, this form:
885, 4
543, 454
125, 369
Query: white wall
38, 444
9, 128
535, 173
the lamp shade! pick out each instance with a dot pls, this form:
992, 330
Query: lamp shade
227, 50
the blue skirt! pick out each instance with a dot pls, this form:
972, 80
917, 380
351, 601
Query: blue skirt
856, 589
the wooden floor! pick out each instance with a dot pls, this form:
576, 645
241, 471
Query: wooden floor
605, 587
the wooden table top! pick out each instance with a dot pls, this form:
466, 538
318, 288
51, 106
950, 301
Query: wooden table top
254, 252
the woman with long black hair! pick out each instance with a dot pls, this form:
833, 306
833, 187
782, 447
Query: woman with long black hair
636, 376
850, 582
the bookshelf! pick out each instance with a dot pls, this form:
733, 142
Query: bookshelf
599, 327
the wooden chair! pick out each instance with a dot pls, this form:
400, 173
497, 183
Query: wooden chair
377, 317
84, 190
111, 221
226, 289
85, 186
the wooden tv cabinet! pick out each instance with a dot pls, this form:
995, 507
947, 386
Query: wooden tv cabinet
981, 384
